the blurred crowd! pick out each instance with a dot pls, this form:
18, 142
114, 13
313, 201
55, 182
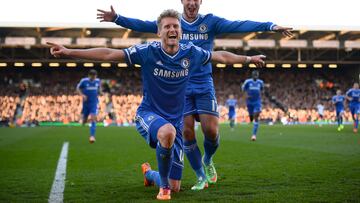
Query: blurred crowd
34, 96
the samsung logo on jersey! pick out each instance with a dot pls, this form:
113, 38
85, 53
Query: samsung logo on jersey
195, 36
254, 88
91, 88
170, 74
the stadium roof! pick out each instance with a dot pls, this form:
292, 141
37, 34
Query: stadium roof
314, 15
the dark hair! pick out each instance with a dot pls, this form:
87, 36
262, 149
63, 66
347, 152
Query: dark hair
92, 72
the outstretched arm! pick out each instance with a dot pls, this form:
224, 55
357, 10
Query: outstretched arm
230, 58
130, 23
227, 26
96, 54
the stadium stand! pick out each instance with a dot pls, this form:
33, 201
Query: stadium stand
301, 71
29, 97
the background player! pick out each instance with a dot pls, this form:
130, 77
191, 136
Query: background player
353, 95
201, 101
231, 103
253, 88
320, 109
338, 100
89, 88
160, 116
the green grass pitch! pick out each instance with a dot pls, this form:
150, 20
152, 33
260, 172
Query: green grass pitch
285, 164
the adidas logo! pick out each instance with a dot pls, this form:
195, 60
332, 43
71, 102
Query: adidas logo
159, 63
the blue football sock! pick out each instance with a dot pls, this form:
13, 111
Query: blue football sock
153, 176
92, 128
339, 120
255, 128
356, 123
210, 147
232, 123
193, 154
164, 157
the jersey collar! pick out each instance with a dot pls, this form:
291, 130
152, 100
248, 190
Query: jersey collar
197, 18
170, 56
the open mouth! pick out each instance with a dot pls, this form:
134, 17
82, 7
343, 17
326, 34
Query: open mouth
172, 37
191, 10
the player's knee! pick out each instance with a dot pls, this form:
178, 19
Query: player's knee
166, 135
188, 133
256, 117
251, 118
211, 131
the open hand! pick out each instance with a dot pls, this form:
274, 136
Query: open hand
106, 16
286, 31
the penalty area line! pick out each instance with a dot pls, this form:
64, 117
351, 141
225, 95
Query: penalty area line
58, 186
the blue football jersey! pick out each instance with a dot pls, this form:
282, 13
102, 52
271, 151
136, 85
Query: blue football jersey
355, 95
91, 88
338, 100
202, 33
231, 103
165, 76
253, 88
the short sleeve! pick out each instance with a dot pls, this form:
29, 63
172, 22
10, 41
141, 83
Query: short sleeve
202, 55
244, 86
80, 85
136, 54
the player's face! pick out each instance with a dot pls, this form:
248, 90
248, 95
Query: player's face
338, 92
255, 75
170, 31
191, 8
92, 77
356, 85
231, 96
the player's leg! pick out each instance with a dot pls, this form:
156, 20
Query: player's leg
356, 115
250, 108
338, 119
178, 163
160, 134
153, 177
232, 120
92, 128
210, 127
93, 109
84, 114
256, 114
209, 119
191, 147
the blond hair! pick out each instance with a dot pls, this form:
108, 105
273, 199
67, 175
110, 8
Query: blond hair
169, 13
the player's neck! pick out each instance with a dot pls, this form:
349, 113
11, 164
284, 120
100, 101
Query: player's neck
189, 19
170, 49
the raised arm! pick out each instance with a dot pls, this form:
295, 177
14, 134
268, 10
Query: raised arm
130, 23
96, 54
230, 58
227, 26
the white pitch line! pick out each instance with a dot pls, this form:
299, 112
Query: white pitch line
57, 189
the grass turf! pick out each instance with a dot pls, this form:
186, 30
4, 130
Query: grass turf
285, 164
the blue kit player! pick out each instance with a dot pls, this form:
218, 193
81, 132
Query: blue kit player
201, 104
89, 89
166, 69
338, 100
353, 95
253, 88
231, 103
